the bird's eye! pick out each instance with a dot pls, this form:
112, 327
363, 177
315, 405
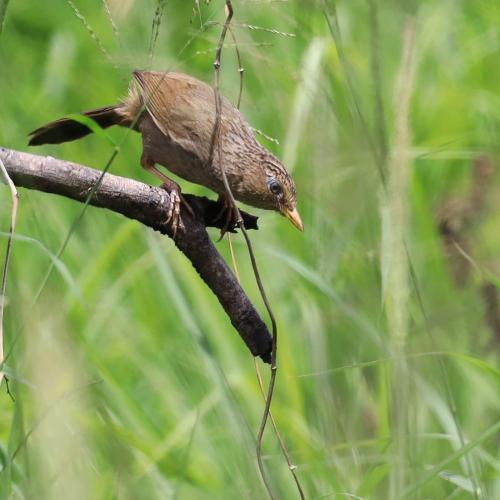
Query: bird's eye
274, 187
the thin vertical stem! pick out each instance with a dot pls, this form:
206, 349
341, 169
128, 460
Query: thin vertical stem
8, 254
291, 466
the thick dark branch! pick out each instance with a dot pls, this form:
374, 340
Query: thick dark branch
149, 205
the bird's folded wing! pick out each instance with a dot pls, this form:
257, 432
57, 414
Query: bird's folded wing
183, 108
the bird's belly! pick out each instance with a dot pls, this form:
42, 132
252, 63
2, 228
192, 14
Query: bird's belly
180, 157
186, 165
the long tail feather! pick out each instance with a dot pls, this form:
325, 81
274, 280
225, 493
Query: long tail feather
66, 129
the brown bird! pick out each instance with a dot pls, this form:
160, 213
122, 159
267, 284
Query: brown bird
176, 116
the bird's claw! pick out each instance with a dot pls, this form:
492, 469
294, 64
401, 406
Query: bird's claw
174, 212
174, 209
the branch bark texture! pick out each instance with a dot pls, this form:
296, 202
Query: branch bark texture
149, 206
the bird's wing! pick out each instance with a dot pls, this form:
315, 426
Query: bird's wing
183, 108
179, 105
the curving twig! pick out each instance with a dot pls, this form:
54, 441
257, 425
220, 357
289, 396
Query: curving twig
149, 205
216, 145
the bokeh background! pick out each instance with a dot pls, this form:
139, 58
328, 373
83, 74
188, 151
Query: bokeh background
130, 382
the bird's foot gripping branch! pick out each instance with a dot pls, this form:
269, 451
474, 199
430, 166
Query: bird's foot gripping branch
149, 205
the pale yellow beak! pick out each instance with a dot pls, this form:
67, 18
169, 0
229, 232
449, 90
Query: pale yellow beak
294, 217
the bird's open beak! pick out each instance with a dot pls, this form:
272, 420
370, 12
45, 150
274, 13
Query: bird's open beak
294, 217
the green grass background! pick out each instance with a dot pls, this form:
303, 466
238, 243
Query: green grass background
130, 381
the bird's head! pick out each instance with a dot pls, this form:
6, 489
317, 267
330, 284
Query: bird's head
262, 181
280, 192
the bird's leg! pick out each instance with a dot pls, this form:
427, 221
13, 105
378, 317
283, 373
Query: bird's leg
176, 198
229, 213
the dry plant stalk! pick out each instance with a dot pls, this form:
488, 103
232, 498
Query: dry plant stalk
241, 225
284, 450
8, 253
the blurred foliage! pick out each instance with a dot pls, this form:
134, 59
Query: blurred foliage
128, 378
